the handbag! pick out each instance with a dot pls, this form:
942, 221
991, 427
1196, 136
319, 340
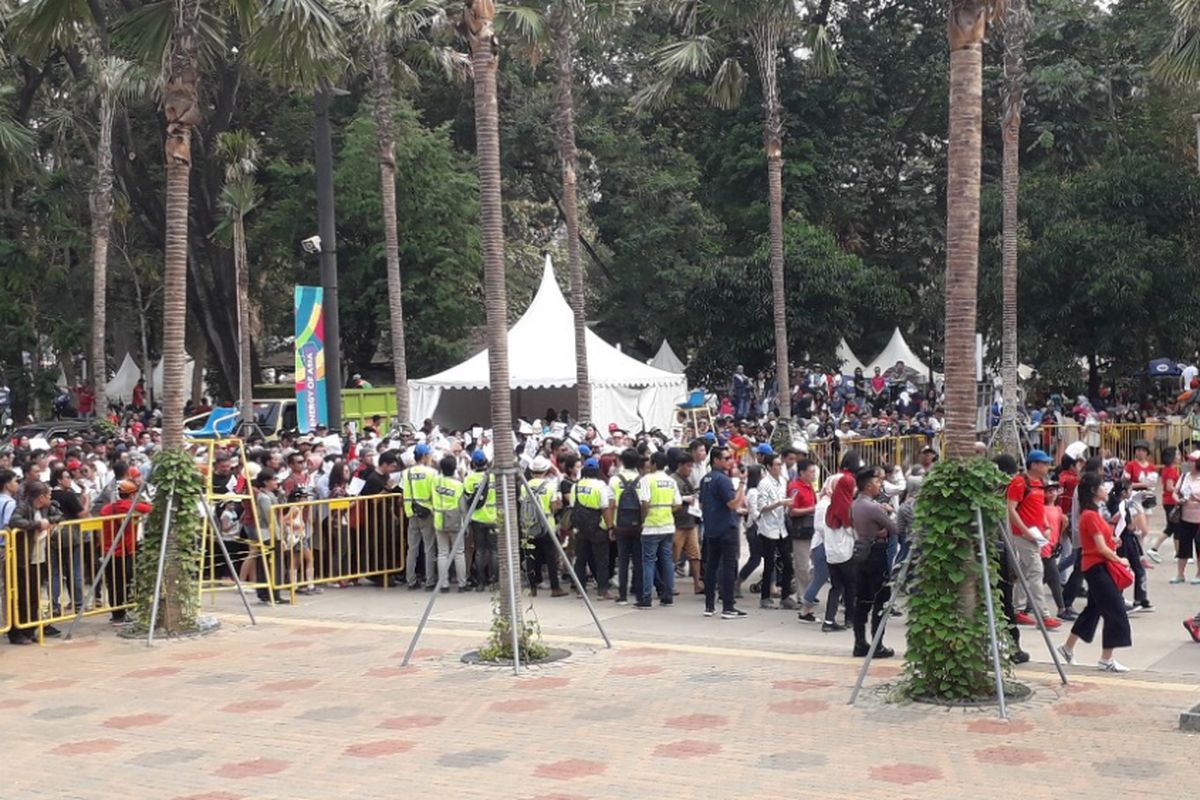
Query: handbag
839, 545
1121, 575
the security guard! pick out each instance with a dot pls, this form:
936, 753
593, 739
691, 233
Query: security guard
485, 563
448, 510
540, 549
658, 533
418, 508
591, 518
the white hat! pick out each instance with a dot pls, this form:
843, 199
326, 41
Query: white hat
1077, 450
539, 465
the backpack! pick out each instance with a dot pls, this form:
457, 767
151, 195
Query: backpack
531, 521
629, 506
586, 520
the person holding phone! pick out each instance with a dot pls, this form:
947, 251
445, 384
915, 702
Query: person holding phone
720, 498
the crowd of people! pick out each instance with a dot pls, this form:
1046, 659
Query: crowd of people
636, 515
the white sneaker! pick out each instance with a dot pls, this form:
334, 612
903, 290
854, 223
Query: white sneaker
1066, 655
1111, 666
1154, 555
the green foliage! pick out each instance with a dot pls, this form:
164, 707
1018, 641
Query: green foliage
499, 643
949, 653
174, 475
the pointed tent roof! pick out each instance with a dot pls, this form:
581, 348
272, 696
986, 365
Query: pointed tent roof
541, 352
849, 361
898, 350
666, 359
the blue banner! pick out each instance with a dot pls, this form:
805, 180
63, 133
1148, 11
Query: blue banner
311, 409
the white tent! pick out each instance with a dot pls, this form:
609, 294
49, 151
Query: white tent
541, 363
665, 359
898, 350
120, 388
189, 367
849, 361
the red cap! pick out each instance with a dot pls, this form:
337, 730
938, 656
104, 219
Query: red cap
74, 464
613, 427
134, 472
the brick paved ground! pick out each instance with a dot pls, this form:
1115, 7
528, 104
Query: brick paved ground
305, 708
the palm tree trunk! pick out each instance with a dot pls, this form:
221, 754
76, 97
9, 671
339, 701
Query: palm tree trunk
569, 157
381, 91
966, 30
241, 268
478, 22
1014, 98
101, 203
766, 50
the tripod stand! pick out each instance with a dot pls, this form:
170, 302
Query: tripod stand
505, 476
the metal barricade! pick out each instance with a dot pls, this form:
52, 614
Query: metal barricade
6, 582
254, 558
824, 453
338, 540
51, 571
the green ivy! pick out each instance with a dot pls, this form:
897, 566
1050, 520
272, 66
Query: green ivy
174, 474
949, 649
499, 643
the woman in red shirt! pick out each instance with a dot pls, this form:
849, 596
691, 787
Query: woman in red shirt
1169, 477
1104, 598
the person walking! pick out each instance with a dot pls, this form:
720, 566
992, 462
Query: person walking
1169, 478
1104, 601
720, 498
629, 491
687, 523
1027, 517
872, 527
773, 502
802, 515
1187, 494
658, 533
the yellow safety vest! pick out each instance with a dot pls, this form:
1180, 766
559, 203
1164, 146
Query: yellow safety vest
485, 511
588, 493
418, 487
447, 496
542, 489
662, 500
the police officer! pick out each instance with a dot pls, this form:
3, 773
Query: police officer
484, 562
658, 533
448, 510
545, 494
592, 520
418, 509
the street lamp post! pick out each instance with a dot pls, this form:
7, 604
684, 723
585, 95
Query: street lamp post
327, 231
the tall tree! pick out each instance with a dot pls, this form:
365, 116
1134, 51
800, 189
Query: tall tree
715, 28
968, 25
380, 26
1180, 61
478, 26
240, 196
1016, 26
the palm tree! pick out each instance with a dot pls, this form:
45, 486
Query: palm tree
378, 26
240, 196
714, 28
1016, 26
968, 24
1180, 62
478, 26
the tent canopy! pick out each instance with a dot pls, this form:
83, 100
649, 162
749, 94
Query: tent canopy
666, 360
898, 350
541, 364
849, 361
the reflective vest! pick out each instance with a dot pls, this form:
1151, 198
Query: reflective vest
485, 510
543, 490
447, 497
662, 500
588, 493
418, 487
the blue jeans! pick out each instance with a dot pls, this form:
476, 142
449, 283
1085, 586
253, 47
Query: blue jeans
720, 566
656, 554
64, 556
820, 575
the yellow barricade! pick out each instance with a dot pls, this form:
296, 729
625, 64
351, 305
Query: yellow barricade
338, 540
6, 582
253, 558
52, 570
825, 455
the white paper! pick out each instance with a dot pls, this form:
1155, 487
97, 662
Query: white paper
356, 486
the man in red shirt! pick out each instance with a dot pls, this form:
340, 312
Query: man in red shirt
803, 492
1027, 518
118, 575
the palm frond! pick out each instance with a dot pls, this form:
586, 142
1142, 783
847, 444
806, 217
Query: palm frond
145, 32
453, 63
654, 96
823, 59
296, 42
120, 78
239, 150
728, 85
520, 22
1186, 12
17, 143
1180, 62
240, 197
38, 26
693, 56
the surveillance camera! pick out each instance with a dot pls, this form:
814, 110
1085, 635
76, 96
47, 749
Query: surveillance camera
312, 244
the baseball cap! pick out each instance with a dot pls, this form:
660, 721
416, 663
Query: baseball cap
126, 487
584, 450
74, 464
421, 450
591, 463
539, 464
1038, 457
613, 427
710, 437
479, 457
764, 449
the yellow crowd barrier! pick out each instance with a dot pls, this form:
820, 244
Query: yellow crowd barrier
337, 540
52, 570
6, 581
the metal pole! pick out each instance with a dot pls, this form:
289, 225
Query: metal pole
107, 558
327, 230
207, 512
1037, 608
570, 569
462, 532
162, 563
878, 636
512, 578
991, 613
1196, 119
